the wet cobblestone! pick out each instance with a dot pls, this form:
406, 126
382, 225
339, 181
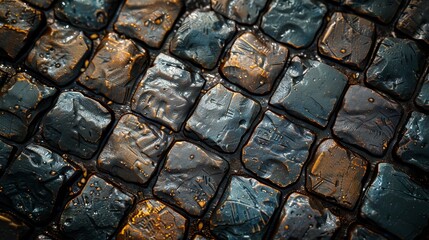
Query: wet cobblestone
348, 38
202, 37
367, 119
277, 149
305, 218
294, 22
384, 73
214, 119
245, 209
115, 68
396, 203
60, 53
31, 184
22, 99
222, 117
148, 21
254, 63
319, 84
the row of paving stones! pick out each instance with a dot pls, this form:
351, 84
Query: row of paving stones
77, 123
221, 119
31, 185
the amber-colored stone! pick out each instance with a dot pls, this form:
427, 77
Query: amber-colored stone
348, 39
254, 63
18, 24
148, 21
153, 220
59, 53
336, 174
115, 67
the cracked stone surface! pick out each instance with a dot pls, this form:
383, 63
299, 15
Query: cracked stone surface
95, 213
11, 228
254, 63
413, 147
190, 177
76, 124
384, 73
148, 21
88, 14
244, 210
336, 174
134, 149
22, 99
320, 85
396, 203
19, 23
59, 54
359, 232
367, 119
305, 218
382, 10
242, 11
202, 37
222, 117
5, 154
348, 39
32, 182
115, 68
277, 149
294, 22
414, 21
167, 92
153, 220
423, 97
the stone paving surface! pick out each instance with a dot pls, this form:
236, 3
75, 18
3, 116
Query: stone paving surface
214, 119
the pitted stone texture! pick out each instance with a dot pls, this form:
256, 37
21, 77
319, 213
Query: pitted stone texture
277, 150
148, 21
134, 150
202, 37
336, 174
96, 212
254, 63
11, 228
40, 3
190, 177
242, 11
115, 68
76, 124
222, 117
367, 119
385, 74
167, 92
152, 220
396, 203
423, 97
413, 147
244, 210
22, 99
359, 232
310, 90
59, 54
294, 22
5, 154
88, 14
305, 218
18, 24
382, 10
414, 20
348, 39
32, 182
